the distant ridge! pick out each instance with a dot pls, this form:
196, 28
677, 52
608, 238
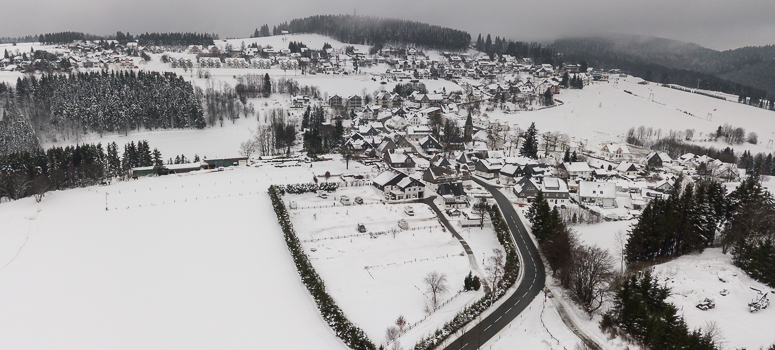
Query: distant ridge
376, 31
745, 71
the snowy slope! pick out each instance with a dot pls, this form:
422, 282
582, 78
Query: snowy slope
603, 112
695, 277
179, 262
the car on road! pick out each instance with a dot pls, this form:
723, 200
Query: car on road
358, 200
361, 228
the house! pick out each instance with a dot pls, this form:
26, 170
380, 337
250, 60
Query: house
429, 144
555, 191
355, 102
398, 160
577, 170
440, 160
535, 170
526, 188
627, 169
657, 159
454, 195
511, 170
300, 101
614, 151
598, 193
663, 186
396, 185
437, 174
489, 168
335, 101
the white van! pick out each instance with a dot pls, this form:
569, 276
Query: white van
345, 200
408, 210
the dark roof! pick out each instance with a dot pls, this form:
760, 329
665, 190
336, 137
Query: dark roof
455, 189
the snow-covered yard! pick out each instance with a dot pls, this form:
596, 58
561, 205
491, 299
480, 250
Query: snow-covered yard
377, 277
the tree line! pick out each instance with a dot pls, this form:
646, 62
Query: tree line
376, 31
61, 37
502, 46
34, 172
168, 39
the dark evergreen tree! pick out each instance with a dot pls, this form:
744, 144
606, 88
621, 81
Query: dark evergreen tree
530, 143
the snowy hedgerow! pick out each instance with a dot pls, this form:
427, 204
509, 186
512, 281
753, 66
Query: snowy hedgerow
350, 334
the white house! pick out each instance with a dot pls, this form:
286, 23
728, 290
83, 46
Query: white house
555, 191
577, 170
614, 151
598, 193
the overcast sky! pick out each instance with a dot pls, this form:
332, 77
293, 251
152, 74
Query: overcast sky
717, 24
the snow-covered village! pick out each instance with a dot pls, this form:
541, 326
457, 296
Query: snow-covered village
356, 182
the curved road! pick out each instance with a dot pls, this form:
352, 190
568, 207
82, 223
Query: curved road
531, 285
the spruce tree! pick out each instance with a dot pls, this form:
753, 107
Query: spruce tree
530, 143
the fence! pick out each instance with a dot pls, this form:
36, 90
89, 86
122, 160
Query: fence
372, 234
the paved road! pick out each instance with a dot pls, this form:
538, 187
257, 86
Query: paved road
440, 215
531, 286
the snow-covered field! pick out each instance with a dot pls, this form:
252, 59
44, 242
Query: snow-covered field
603, 112
178, 262
695, 277
604, 234
376, 279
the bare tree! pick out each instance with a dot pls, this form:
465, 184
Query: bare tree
248, 147
39, 186
620, 240
495, 268
391, 334
436, 284
590, 275
401, 323
480, 208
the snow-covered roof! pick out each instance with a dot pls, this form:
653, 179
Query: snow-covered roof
597, 189
384, 178
576, 167
553, 184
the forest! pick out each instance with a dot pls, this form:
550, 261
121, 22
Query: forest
64, 106
502, 46
377, 31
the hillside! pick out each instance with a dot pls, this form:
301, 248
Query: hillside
377, 31
684, 62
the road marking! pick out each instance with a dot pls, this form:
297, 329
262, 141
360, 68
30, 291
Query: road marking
488, 327
466, 344
498, 319
508, 310
523, 295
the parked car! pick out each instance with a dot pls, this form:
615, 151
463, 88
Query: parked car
358, 200
408, 210
292, 205
322, 194
403, 224
361, 228
345, 200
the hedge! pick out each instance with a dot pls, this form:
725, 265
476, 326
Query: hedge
351, 335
